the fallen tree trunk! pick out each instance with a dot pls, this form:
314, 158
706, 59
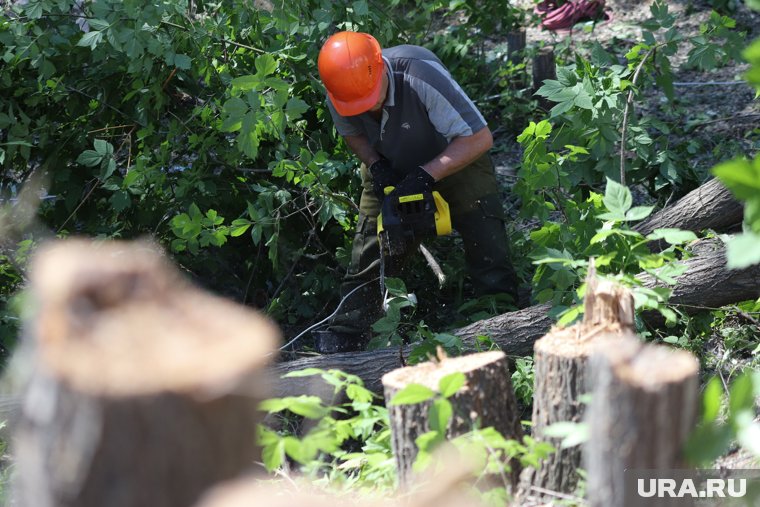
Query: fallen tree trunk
710, 206
514, 332
707, 283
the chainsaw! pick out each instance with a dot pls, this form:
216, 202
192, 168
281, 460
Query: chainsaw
405, 220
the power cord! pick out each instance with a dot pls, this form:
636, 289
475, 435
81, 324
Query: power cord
337, 309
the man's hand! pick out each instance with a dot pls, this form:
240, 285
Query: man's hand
418, 181
383, 175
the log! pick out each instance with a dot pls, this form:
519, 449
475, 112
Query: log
486, 400
707, 283
561, 378
643, 408
710, 206
514, 332
143, 389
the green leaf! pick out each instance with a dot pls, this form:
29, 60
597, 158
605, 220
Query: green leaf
359, 393
439, 415
98, 24
246, 83
451, 384
91, 39
617, 198
239, 226
102, 147
295, 108
571, 433
672, 236
308, 406
361, 8
741, 395
89, 158
740, 176
235, 107
306, 372
182, 61
120, 201
412, 394
711, 400
272, 454
265, 65
638, 213
743, 251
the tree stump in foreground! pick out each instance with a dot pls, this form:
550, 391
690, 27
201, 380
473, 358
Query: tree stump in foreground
561, 378
143, 388
643, 408
486, 400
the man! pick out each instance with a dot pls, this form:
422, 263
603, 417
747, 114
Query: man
412, 127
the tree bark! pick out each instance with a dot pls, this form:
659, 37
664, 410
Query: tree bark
486, 400
561, 378
707, 283
514, 332
143, 389
516, 42
643, 407
544, 67
710, 206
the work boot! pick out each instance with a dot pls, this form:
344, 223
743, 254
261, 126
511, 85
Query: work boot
333, 342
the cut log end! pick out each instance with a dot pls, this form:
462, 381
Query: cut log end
430, 373
122, 305
649, 367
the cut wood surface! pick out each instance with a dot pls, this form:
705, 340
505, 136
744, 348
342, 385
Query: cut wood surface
143, 389
710, 206
561, 379
643, 408
485, 400
707, 283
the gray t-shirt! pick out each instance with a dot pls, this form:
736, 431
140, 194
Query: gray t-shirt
424, 110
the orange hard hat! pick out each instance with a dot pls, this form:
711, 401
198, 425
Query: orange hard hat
351, 67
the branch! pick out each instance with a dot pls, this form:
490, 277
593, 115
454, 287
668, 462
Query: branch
628, 104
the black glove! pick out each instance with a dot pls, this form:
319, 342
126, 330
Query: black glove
418, 181
383, 175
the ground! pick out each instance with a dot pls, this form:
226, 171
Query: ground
722, 115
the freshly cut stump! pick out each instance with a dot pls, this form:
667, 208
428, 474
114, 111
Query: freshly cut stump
643, 407
561, 379
143, 388
486, 400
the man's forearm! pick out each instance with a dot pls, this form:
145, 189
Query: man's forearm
363, 149
459, 153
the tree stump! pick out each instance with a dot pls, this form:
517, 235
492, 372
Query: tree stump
516, 42
486, 400
561, 378
143, 389
544, 68
643, 407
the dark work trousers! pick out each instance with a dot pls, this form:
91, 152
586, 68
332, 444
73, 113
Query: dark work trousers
476, 213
